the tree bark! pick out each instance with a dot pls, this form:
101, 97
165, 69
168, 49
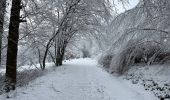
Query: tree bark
48, 47
60, 55
2, 13
12, 49
60, 51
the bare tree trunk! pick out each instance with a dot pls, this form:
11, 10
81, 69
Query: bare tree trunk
46, 52
12, 48
60, 55
39, 57
2, 13
161, 98
60, 51
48, 47
55, 47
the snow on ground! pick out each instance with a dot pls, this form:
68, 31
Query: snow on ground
27, 67
154, 78
80, 79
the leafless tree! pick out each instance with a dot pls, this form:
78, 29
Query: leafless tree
13, 36
2, 13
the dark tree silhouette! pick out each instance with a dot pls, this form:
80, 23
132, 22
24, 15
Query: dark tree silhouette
12, 48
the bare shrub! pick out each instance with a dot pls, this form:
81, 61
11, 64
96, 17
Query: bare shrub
147, 52
105, 60
2, 78
23, 77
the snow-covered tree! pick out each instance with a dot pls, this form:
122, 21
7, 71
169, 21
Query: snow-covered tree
50, 28
2, 14
136, 32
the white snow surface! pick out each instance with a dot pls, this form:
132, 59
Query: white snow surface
80, 79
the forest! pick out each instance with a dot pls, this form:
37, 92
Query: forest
57, 42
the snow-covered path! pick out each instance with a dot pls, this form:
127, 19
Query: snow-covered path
79, 80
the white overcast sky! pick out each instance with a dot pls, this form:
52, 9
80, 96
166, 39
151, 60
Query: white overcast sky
119, 6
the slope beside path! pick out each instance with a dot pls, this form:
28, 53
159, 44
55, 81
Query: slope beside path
79, 79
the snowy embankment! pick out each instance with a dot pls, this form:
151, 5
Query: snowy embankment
25, 74
80, 79
154, 78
